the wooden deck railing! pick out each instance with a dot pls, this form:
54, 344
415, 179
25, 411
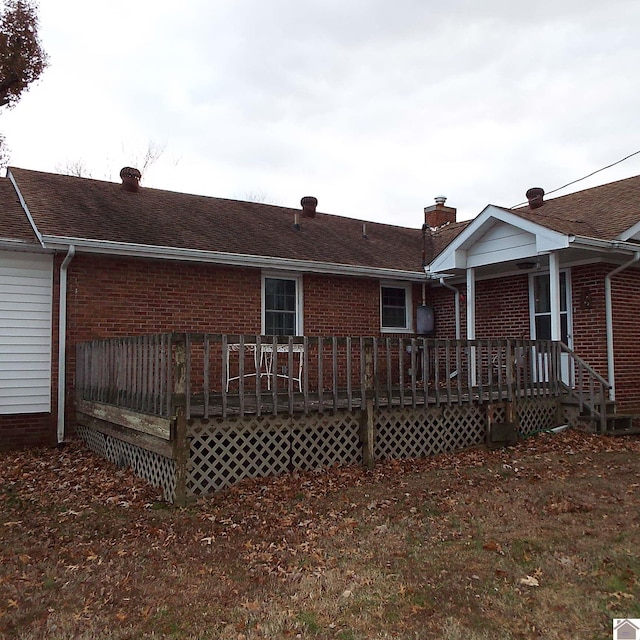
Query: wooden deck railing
587, 387
214, 374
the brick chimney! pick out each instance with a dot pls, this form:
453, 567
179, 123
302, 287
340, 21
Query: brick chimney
438, 215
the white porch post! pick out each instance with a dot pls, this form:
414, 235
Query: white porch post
554, 291
471, 321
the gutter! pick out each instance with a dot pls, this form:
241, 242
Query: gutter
609, 322
228, 259
457, 303
62, 342
612, 246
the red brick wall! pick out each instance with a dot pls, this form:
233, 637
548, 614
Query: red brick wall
626, 320
27, 430
589, 323
502, 308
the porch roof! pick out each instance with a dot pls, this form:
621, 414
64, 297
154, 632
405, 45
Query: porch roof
603, 219
105, 217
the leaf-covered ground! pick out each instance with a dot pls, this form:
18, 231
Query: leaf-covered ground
536, 541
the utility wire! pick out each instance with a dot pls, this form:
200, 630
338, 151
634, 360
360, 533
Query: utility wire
593, 173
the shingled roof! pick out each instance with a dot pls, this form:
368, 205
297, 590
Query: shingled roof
14, 225
602, 212
72, 207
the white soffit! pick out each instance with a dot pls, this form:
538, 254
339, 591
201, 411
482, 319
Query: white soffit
497, 235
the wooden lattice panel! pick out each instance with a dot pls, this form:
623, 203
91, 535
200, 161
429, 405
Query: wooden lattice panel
536, 414
415, 433
94, 440
326, 440
222, 453
156, 469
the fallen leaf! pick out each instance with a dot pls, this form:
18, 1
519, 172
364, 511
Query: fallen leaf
529, 581
492, 545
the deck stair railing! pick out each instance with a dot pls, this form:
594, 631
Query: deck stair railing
587, 387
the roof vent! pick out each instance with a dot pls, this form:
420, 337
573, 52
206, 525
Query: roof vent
535, 196
130, 179
309, 204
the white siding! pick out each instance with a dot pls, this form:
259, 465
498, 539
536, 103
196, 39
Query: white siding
26, 291
501, 243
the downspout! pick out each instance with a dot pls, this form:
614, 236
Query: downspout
62, 341
457, 302
609, 323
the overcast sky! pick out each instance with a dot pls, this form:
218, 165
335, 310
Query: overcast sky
372, 106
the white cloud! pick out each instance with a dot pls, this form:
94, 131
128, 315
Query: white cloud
373, 107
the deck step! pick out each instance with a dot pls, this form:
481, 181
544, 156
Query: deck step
619, 424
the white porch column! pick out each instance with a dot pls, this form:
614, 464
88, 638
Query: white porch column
554, 291
471, 322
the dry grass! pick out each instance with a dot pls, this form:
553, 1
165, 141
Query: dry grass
539, 540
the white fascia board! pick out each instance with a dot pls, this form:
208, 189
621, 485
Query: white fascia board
631, 232
455, 255
23, 204
85, 245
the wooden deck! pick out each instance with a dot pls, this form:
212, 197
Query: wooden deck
195, 412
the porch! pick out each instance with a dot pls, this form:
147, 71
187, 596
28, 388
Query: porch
194, 413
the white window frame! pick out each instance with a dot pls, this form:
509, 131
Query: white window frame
297, 278
390, 284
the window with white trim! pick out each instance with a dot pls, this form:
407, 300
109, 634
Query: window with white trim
395, 307
281, 305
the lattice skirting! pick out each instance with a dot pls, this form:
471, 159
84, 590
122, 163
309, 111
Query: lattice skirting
156, 469
415, 433
224, 452
536, 414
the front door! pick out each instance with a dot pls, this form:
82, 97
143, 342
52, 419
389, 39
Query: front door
540, 315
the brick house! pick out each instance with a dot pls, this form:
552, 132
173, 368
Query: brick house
100, 259
130, 261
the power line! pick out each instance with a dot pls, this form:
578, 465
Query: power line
593, 173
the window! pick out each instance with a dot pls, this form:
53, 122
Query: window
281, 306
395, 307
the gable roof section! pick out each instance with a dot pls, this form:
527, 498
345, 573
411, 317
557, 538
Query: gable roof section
496, 235
104, 215
603, 214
